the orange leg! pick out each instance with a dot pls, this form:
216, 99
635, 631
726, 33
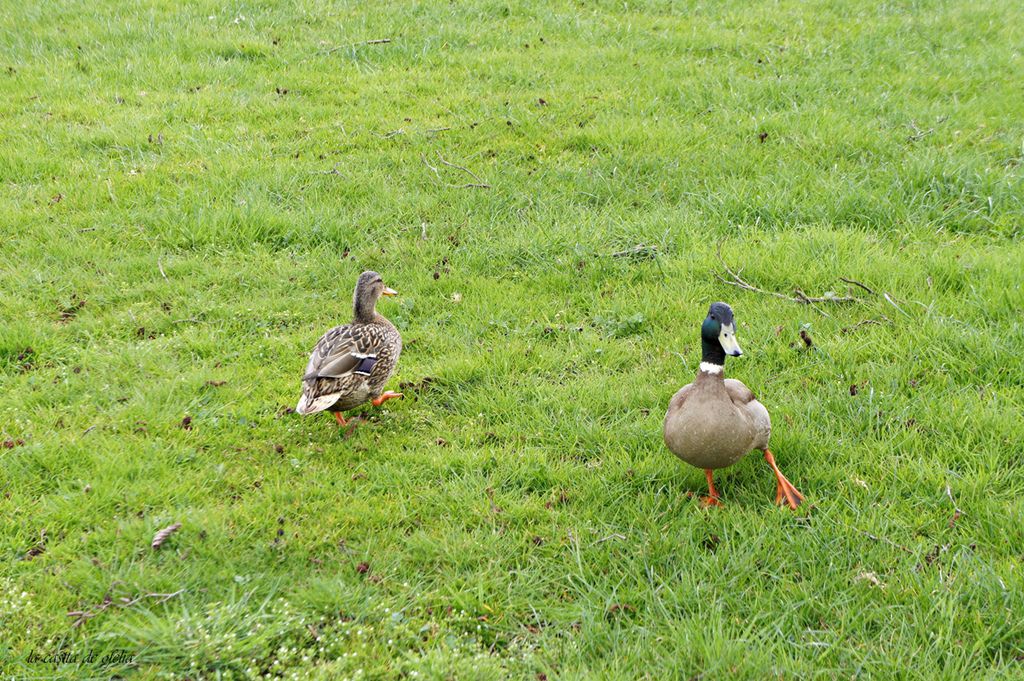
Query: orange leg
712, 498
785, 492
348, 424
385, 397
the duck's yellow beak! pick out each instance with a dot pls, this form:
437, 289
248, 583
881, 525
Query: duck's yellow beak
727, 338
389, 292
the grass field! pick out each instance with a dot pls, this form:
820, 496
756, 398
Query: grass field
189, 192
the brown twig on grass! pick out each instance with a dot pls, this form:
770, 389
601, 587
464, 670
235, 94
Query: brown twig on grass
799, 297
82, 616
865, 322
887, 541
432, 168
377, 41
477, 185
918, 132
857, 283
614, 535
480, 181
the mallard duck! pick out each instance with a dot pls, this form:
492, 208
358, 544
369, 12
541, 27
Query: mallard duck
351, 363
713, 422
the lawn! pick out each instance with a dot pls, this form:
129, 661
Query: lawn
189, 192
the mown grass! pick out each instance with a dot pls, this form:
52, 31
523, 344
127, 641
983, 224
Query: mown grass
190, 191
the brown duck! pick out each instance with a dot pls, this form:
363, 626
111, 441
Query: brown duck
351, 363
713, 422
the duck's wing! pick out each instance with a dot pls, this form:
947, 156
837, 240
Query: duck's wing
677, 400
738, 393
338, 365
743, 398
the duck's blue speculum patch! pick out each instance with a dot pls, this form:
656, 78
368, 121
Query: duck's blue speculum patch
365, 366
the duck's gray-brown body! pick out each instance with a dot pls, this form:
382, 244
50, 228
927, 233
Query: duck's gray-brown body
715, 421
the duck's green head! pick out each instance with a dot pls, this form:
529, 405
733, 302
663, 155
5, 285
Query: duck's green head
718, 335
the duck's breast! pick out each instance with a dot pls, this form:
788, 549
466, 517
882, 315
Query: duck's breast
706, 431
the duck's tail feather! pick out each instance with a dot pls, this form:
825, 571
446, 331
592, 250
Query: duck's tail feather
312, 406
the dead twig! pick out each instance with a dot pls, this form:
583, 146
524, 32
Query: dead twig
918, 132
857, 283
614, 535
800, 296
887, 541
82, 616
434, 169
479, 185
160, 266
481, 182
848, 329
377, 41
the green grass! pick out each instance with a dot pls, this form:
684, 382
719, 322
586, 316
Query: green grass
187, 197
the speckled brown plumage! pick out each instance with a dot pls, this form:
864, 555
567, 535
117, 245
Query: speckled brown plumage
351, 364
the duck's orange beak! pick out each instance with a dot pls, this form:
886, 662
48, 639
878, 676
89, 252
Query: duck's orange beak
389, 292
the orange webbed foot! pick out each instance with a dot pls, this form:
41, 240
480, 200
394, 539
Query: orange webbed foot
712, 498
385, 397
785, 492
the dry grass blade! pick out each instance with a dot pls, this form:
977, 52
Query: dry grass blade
480, 182
160, 537
956, 509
